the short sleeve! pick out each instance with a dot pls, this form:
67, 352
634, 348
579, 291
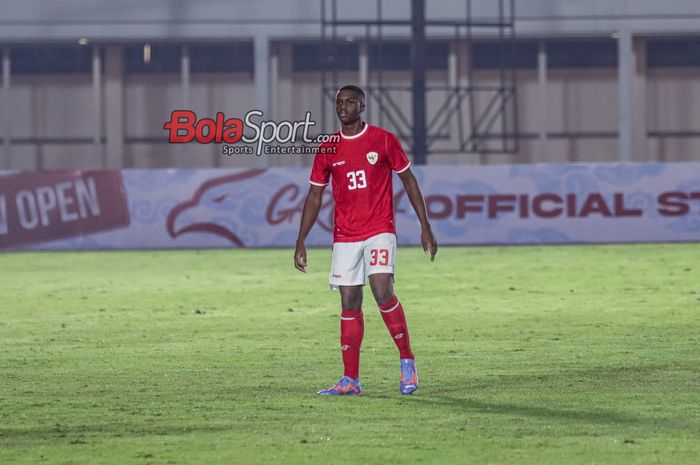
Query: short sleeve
398, 161
320, 174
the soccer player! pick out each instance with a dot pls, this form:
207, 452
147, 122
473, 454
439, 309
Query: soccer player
364, 233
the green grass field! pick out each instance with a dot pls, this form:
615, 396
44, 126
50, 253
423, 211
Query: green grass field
527, 355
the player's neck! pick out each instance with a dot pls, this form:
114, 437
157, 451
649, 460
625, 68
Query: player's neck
353, 128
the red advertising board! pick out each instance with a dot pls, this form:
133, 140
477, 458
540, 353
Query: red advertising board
40, 207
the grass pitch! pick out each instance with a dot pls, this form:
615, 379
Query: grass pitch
527, 355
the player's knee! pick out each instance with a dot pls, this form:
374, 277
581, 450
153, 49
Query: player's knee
351, 303
383, 295
351, 299
382, 289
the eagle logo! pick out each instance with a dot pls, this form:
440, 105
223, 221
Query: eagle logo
182, 218
237, 206
372, 157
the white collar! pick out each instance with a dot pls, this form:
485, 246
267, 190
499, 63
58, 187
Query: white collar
356, 135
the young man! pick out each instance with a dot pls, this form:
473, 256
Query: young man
364, 233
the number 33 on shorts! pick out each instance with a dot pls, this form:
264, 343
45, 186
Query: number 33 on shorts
379, 257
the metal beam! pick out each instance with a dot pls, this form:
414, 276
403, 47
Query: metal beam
6, 132
418, 56
639, 89
114, 109
542, 101
185, 76
625, 93
262, 83
97, 105
363, 65
273, 105
434, 22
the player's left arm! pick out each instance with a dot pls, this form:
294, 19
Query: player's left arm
427, 238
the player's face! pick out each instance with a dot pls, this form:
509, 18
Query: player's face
349, 106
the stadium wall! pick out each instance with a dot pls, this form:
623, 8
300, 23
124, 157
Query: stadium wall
223, 208
113, 119
52, 126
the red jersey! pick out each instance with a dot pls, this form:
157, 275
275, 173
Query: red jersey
361, 169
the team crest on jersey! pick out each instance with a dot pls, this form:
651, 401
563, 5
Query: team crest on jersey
372, 157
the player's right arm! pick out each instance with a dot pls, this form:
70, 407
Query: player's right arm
312, 206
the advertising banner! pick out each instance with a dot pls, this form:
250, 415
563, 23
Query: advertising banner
42, 207
500, 204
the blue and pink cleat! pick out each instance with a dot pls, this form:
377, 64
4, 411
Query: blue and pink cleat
409, 376
347, 386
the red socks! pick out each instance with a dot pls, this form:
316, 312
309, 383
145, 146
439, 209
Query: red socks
352, 328
395, 321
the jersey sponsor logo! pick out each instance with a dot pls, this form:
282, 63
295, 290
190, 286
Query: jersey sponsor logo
338, 163
337, 275
372, 157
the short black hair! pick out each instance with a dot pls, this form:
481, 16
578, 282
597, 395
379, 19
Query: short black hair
359, 91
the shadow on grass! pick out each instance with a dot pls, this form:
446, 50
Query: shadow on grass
590, 416
610, 382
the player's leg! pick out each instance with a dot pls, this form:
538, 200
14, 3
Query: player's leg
392, 312
380, 255
395, 321
347, 276
351, 296
352, 329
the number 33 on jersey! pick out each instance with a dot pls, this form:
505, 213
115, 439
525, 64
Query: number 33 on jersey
357, 179
361, 169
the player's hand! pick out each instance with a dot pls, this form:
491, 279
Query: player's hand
300, 257
427, 240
